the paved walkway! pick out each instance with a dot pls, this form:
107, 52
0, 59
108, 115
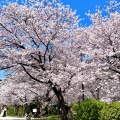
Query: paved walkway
16, 118
11, 118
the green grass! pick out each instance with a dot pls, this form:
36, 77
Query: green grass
54, 117
47, 119
51, 117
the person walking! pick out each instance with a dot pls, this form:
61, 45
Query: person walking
3, 111
28, 116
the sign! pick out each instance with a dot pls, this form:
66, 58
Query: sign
34, 110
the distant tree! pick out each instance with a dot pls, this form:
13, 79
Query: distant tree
104, 47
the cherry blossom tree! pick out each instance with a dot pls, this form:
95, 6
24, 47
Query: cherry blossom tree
41, 44
39, 40
20, 92
104, 48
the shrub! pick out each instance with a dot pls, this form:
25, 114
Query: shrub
111, 111
75, 106
0, 108
89, 110
53, 110
20, 111
10, 111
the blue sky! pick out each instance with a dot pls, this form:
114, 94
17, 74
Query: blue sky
2, 74
82, 7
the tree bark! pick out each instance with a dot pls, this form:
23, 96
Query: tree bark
15, 109
83, 96
63, 111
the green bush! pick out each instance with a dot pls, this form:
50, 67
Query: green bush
74, 107
20, 111
0, 108
53, 110
10, 111
89, 110
111, 111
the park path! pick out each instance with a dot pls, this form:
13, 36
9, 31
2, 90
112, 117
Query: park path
16, 118
11, 118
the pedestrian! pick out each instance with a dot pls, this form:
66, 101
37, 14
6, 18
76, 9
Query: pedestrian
3, 111
28, 116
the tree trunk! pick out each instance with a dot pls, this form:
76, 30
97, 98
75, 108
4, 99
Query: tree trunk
83, 96
15, 110
63, 111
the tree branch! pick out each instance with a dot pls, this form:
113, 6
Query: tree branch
114, 69
43, 82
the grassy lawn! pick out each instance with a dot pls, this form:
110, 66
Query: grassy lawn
51, 117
